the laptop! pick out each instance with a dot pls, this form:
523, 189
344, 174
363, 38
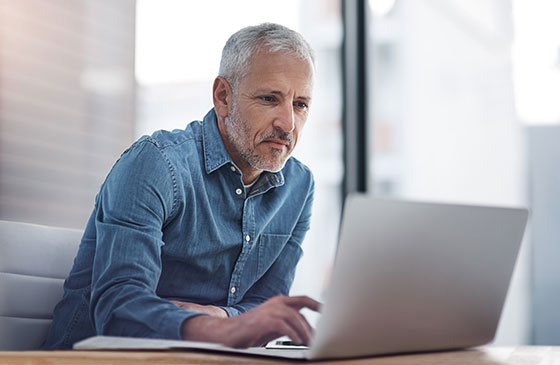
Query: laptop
408, 277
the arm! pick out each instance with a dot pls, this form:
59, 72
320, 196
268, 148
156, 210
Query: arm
207, 309
135, 201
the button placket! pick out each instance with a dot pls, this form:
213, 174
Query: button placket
247, 235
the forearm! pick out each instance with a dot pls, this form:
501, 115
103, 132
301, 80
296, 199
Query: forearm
203, 328
211, 310
242, 307
219, 311
130, 310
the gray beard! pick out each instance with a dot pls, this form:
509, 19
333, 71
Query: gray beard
238, 134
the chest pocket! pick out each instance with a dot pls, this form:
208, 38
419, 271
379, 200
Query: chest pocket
270, 247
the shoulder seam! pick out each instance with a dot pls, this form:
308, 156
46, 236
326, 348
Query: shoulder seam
160, 149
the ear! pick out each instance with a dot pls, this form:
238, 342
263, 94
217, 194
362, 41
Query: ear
221, 94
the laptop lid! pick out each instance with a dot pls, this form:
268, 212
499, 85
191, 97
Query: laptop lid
414, 276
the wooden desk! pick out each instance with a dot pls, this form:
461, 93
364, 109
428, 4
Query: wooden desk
530, 355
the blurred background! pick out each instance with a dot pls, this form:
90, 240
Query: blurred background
463, 103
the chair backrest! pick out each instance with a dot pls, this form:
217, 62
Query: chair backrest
34, 261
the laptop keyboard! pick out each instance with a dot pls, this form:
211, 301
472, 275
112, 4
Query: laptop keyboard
286, 345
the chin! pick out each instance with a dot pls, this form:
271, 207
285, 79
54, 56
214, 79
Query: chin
270, 164
277, 167
273, 167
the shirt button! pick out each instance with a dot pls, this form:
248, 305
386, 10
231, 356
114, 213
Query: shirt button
238, 191
232, 168
233, 290
247, 238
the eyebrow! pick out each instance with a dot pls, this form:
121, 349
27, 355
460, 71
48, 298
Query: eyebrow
278, 92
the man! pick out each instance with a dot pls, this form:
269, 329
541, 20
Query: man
195, 234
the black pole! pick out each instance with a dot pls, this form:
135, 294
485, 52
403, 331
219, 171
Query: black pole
355, 87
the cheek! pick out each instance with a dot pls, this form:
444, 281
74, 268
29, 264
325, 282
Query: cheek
295, 138
256, 136
298, 128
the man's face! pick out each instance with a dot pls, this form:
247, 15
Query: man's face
269, 108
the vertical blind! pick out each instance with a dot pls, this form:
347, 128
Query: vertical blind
67, 92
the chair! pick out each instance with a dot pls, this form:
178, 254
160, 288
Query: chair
34, 261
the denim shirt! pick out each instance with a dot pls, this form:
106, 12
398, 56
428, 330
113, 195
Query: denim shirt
173, 221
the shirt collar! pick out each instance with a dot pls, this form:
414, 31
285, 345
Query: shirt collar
216, 156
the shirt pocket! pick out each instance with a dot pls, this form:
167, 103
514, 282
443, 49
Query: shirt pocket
270, 247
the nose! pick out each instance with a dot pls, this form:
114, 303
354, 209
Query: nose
285, 119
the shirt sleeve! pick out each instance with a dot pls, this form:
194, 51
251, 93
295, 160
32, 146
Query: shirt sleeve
135, 201
279, 278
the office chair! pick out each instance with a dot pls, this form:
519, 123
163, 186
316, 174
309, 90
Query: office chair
34, 261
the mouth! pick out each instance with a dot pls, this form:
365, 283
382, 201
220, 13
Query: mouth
277, 143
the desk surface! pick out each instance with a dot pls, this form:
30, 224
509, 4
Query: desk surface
480, 356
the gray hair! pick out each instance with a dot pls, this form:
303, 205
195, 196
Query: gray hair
240, 47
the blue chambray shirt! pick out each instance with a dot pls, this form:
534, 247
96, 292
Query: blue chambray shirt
173, 221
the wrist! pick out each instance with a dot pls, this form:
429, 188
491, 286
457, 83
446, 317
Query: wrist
201, 328
220, 312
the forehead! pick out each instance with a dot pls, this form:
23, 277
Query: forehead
282, 71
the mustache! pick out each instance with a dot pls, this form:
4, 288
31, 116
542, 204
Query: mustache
279, 134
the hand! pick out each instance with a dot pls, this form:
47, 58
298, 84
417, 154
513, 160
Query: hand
278, 316
208, 309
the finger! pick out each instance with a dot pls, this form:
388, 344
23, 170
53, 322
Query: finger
287, 329
279, 316
273, 329
308, 329
303, 301
301, 326
266, 337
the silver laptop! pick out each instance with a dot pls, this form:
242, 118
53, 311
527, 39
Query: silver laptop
408, 277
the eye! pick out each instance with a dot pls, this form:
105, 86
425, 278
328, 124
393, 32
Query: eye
301, 105
267, 98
